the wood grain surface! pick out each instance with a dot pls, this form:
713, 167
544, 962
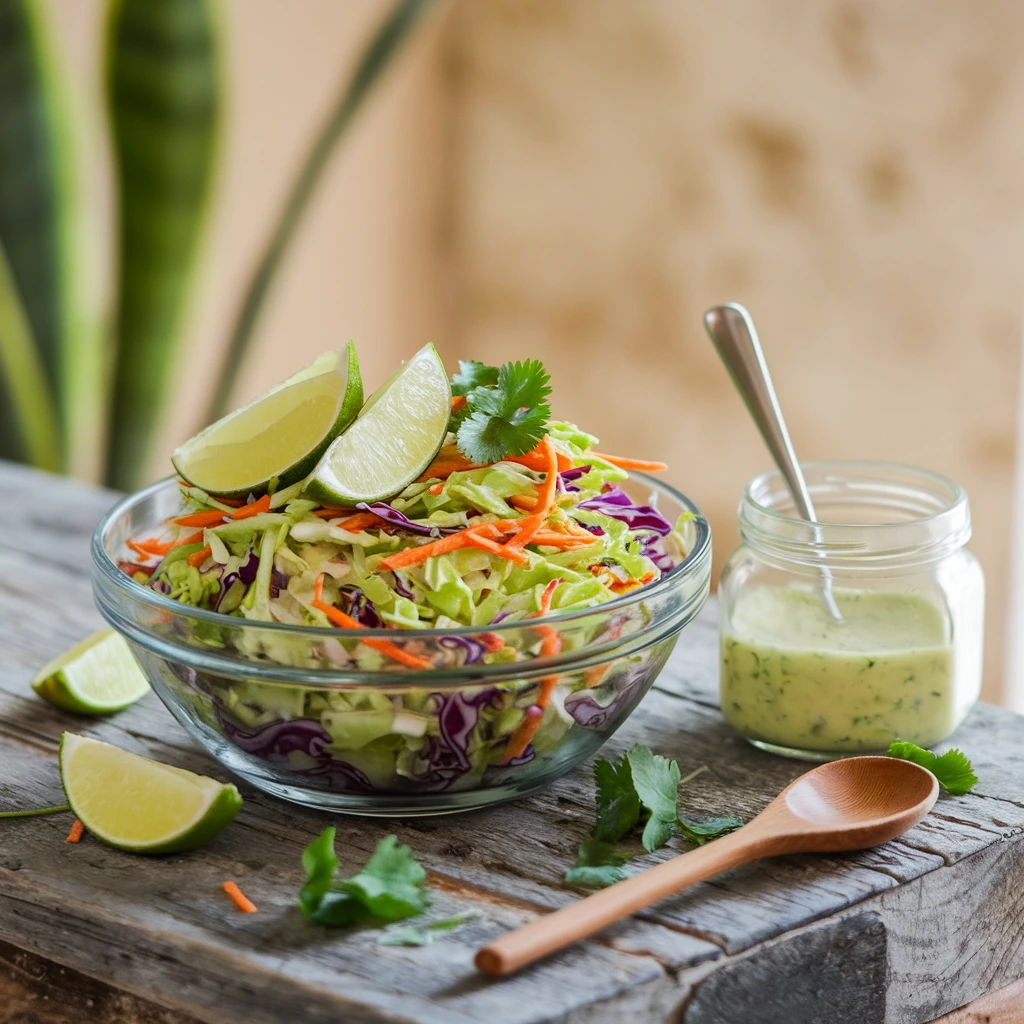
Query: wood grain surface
904, 933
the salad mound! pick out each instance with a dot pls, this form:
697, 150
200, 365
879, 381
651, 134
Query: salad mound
503, 526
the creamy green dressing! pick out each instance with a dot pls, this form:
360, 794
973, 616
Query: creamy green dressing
795, 677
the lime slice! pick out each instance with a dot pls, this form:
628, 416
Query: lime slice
395, 438
281, 434
96, 677
140, 805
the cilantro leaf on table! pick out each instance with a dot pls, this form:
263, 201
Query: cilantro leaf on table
508, 417
410, 935
598, 865
700, 832
656, 780
618, 806
953, 769
389, 887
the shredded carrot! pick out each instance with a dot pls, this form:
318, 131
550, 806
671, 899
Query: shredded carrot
640, 464
544, 604
139, 549
476, 540
230, 502
523, 501
339, 618
77, 829
458, 401
198, 557
413, 556
192, 538
436, 488
153, 547
492, 642
212, 518
521, 738
537, 459
360, 521
240, 900
254, 509
565, 541
448, 460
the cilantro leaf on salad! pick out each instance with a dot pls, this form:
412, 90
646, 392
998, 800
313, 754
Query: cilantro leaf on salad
953, 769
389, 887
473, 374
508, 417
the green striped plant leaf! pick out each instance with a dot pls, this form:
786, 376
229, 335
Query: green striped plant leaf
375, 60
31, 408
34, 211
164, 93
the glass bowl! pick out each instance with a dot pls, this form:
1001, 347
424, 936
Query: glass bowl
316, 716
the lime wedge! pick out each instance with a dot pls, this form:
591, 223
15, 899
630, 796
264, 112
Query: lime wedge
96, 677
281, 434
395, 438
140, 805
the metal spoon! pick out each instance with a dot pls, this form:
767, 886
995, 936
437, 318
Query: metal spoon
733, 333
843, 805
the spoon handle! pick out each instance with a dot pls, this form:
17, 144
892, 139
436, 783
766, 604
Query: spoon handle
551, 932
732, 331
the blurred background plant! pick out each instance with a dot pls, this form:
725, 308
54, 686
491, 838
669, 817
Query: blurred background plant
84, 390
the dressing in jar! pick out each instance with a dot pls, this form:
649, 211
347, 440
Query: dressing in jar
904, 659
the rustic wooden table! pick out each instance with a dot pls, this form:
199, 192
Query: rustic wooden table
902, 933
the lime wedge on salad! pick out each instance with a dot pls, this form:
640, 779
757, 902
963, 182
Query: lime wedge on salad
398, 433
96, 677
278, 436
136, 804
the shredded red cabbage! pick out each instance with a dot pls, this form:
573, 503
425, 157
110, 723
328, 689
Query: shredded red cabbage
615, 503
396, 518
473, 648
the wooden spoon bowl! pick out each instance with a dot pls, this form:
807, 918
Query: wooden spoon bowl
850, 804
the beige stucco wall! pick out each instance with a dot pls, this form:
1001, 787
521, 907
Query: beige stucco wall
583, 177
849, 171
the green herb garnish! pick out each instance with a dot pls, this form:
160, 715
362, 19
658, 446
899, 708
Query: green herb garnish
640, 786
389, 888
410, 935
953, 769
506, 411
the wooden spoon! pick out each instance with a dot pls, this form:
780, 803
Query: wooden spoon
843, 805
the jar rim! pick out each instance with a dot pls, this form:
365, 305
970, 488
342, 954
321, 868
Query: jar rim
928, 515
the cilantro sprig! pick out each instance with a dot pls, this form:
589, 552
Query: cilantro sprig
506, 409
953, 769
390, 886
640, 786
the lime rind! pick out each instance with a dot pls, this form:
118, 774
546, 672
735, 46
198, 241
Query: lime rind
279, 436
96, 677
216, 804
396, 436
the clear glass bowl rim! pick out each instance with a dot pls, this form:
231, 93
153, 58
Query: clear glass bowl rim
135, 592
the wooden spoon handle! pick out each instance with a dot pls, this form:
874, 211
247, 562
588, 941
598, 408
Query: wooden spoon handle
570, 924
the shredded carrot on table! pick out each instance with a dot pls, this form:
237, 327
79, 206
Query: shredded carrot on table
253, 509
77, 829
640, 464
197, 558
240, 900
386, 647
215, 517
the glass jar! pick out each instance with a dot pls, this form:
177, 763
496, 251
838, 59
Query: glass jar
904, 661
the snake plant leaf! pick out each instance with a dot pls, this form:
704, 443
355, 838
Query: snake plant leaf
30, 407
165, 98
33, 217
375, 60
